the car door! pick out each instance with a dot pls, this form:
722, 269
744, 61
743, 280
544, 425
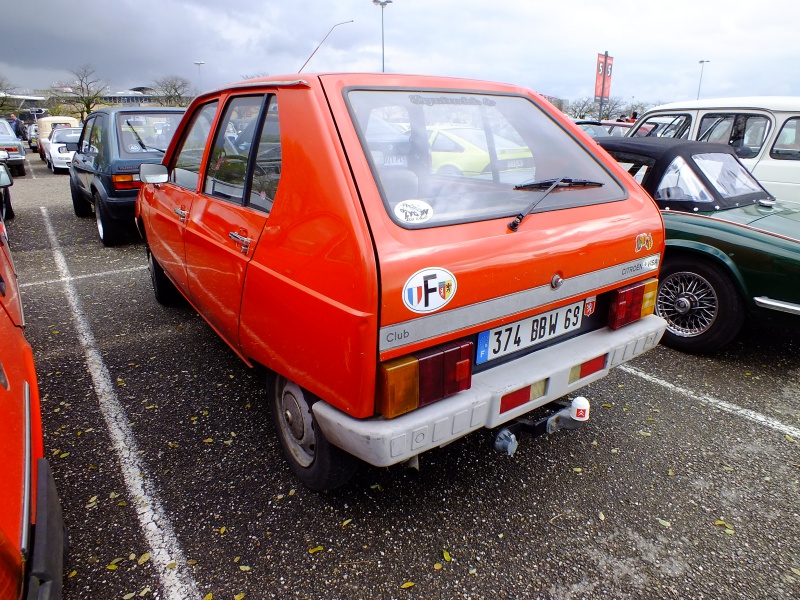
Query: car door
169, 204
227, 216
89, 151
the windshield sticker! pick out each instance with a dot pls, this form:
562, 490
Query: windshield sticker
462, 100
429, 290
413, 211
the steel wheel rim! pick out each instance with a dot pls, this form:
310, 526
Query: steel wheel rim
295, 422
97, 218
688, 302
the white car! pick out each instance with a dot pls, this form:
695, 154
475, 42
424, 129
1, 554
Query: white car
61, 148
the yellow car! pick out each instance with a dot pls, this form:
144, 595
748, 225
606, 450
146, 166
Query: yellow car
464, 151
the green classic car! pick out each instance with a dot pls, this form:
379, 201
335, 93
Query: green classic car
733, 250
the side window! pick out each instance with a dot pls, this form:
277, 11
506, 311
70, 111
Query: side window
745, 133
186, 171
226, 174
442, 143
86, 135
267, 164
97, 136
671, 126
787, 146
715, 128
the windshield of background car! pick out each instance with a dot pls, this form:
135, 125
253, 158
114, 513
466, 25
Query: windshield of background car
680, 184
69, 137
669, 126
149, 132
442, 158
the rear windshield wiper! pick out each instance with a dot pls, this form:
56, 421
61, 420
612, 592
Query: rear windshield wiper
548, 185
140, 141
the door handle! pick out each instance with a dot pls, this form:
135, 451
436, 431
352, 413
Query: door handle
240, 239
182, 214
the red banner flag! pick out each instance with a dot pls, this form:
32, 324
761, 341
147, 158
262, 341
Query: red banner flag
602, 80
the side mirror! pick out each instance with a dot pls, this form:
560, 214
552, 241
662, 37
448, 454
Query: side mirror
153, 173
5, 177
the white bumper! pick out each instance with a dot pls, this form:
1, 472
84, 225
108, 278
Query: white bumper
384, 442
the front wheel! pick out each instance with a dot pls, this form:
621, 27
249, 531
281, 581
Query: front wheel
165, 291
702, 307
317, 463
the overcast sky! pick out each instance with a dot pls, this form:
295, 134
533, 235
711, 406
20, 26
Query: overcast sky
549, 46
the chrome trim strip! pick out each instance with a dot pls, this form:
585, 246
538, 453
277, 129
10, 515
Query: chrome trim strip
786, 307
431, 326
26, 478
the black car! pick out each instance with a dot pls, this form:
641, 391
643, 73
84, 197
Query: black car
105, 169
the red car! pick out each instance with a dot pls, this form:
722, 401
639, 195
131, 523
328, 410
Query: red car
398, 307
32, 537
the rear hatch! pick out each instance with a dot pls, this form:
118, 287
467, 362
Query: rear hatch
451, 265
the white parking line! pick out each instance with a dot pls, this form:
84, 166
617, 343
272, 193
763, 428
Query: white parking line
28, 168
746, 413
156, 526
78, 277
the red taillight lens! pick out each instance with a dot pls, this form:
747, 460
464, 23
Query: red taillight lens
632, 302
126, 182
424, 377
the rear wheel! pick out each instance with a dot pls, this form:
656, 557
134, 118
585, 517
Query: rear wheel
81, 206
164, 290
317, 463
6, 212
110, 231
703, 309
19, 171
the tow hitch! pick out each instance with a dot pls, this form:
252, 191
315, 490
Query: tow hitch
569, 417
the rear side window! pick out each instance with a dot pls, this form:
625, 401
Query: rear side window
787, 145
441, 158
669, 126
186, 171
97, 136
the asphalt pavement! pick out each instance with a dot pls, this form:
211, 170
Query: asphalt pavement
685, 483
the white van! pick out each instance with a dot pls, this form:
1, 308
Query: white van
763, 130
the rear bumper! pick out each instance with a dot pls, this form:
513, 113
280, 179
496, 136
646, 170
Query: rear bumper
44, 578
384, 442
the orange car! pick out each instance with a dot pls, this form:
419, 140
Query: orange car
395, 308
31, 526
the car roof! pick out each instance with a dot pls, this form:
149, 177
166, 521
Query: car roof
112, 110
778, 103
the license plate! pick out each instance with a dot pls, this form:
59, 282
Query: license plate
528, 332
516, 164
395, 160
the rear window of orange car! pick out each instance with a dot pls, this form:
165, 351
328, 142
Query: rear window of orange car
441, 158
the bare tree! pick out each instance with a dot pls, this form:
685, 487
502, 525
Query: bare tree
6, 91
82, 94
173, 90
584, 108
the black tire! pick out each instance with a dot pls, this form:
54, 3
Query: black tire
164, 290
19, 171
81, 206
318, 464
110, 231
703, 309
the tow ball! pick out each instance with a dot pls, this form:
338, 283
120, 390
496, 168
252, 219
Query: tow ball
569, 417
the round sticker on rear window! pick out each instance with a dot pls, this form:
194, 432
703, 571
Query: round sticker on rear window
429, 290
413, 211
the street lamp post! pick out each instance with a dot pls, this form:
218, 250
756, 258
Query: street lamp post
320, 44
199, 63
382, 4
702, 64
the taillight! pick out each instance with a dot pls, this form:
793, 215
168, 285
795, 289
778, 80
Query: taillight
126, 182
422, 378
632, 302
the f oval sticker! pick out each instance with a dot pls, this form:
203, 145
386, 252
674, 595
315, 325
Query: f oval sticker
429, 290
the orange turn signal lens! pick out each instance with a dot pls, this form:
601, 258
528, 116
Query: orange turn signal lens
632, 302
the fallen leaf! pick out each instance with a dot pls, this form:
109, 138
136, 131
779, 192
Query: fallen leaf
664, 523
191, 561
607, 405
73, 573
65, 455
729, 531
131, 557
614, 450
377, 486
129, 596
437, 566
93, 499
238, 596
122, 503
795, 570
645, 433
222, 530
602, 517
789, 439
291, 492
727, 468
671, 473
237, 559
208, 596
208, 440
172, 565
111, 567
144, 592
577, 469
314, 550
473, 571
144, 558
116, 560
407, 584
446, 555
244, 568
113, 495
347, 522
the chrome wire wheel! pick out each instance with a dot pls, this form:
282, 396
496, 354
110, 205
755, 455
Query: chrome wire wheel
295, 422
688, 302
